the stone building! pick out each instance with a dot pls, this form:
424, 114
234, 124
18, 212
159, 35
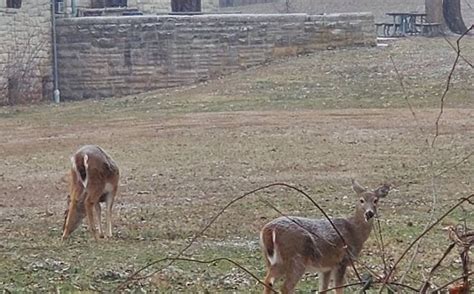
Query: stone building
156, 6
25, 51
166, 5
79, 7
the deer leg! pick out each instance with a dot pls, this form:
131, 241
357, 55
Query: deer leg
98, 219
338, 276
272, 276
109, 202
92, 199
324, 281
293, 276
89, 206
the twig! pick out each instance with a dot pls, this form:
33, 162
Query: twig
218, 260
402, 85
455, 165
412, 260
454, 48
200, 233
376, 282
431, 163
382, 249
433, 207
297, 223
404, 286
343, 286
452, 281
426, 284
448, 84
373, 273
132, 276
346, 247
461, 201
468, 4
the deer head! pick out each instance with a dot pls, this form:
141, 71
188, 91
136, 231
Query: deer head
368, 200
73, 215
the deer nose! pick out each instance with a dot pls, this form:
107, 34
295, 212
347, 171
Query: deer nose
369, 214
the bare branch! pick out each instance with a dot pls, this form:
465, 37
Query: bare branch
297, 223
200, 233
349, 254
452, 281
455, 49
455, 165
376, 282
461, 201
426, 284
382, 246
402, 85
448, 83
173, 259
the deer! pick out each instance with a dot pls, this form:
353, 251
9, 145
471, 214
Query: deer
93, 178
292, 246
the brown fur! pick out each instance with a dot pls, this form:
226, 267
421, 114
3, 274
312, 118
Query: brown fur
94, 178
293, 245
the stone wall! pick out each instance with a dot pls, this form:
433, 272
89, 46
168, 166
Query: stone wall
25, 52
114, 56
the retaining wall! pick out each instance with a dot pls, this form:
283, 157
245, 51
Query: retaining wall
114, 56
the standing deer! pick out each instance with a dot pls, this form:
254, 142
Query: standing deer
293, 245
93, 179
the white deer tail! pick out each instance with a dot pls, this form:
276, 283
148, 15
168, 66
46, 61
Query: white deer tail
81, 171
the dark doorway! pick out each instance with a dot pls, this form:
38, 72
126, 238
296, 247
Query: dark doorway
115, 3
14, 4
13, 90
108, 3
185, 5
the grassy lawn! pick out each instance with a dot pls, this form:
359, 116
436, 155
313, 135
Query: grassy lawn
314, 122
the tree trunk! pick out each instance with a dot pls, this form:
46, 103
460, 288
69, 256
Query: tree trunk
453, 17
434, 12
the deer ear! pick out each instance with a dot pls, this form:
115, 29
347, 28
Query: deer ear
382, 191
357, 187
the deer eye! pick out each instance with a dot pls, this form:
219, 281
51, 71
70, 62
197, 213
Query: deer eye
376, 200
362, 200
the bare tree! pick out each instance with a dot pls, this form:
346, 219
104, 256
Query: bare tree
25, 62
22, 72
447, 13
453, 16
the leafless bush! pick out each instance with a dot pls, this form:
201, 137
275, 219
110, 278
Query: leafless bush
23, 77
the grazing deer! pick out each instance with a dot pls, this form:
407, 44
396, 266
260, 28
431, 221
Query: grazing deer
93, 179
293, 245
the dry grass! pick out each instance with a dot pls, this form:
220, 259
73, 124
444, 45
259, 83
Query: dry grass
313, 121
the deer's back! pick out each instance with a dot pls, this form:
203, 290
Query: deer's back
315, 239
100, 164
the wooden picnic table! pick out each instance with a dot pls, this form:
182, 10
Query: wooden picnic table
406, 22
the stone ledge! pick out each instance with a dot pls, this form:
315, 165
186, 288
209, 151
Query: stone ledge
210, 17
